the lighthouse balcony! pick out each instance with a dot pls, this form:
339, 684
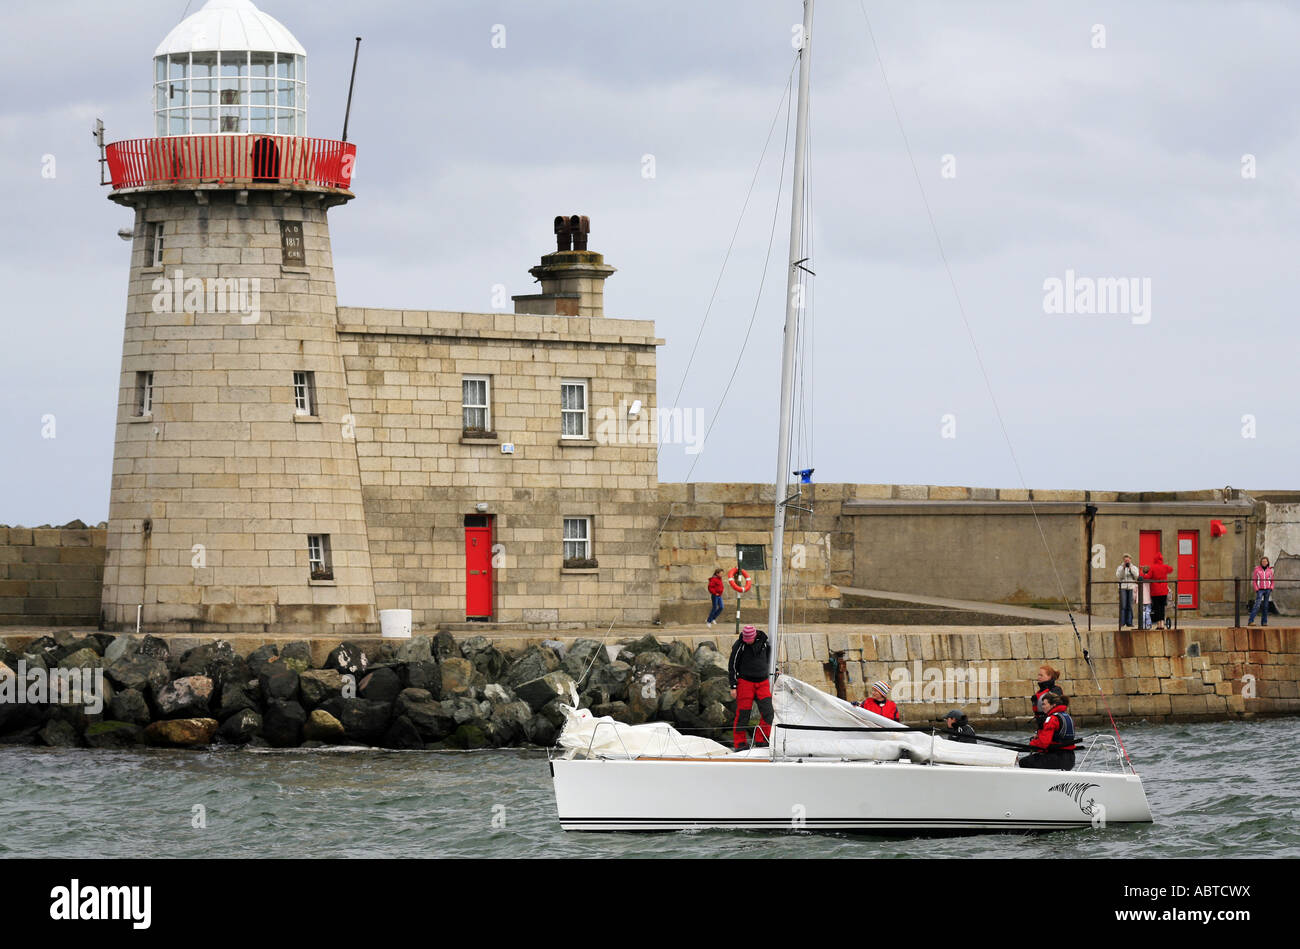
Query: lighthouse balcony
226, 160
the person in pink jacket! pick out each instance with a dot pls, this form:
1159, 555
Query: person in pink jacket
1263, 580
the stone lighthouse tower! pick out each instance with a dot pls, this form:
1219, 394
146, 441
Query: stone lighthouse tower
236, 496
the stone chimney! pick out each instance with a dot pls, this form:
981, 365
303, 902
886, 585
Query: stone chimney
572, 278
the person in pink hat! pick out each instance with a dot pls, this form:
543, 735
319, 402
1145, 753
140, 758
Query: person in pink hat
747, 675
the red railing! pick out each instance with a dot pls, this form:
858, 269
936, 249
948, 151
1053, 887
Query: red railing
231, 159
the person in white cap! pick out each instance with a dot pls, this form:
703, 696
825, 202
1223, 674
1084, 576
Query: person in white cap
879, 702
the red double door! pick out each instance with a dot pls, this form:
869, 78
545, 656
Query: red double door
1186, 564
478, 570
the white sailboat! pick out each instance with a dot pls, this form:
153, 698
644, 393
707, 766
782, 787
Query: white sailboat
831, 765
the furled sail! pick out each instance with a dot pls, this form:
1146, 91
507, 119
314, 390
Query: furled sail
798, 703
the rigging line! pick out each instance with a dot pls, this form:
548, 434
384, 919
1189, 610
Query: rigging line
979, 359
767, 263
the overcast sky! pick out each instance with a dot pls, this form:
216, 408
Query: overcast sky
1115, 161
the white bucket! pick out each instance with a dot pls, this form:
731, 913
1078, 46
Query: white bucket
395, 624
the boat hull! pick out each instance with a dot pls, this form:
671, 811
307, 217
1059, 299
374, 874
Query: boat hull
810, 794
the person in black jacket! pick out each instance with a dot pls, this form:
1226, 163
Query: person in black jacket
747, 673
959, 727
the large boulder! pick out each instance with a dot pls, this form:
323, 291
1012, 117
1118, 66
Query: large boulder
554, 685
48, 649
182, 732
582, 658
113, 734
655, 684
380, 685
239, 696
362, 720
509, 722
349, 659
444, 646
615, 710
129, 706
471, 735
282, 724
279, 682
83, 658
613, 677
58, 734
430, 718
415, 649
403, 735
678, 653
421, 674
487, 659
139, 672
188, 697
455, 677
498, 694
263, 658
709, 663
715, 690
216, 660
646, 643
241, 727
533, 663
541, 731
296, 655
323, 727
317, 686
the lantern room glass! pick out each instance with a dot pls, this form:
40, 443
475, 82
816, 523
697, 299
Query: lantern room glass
234, 91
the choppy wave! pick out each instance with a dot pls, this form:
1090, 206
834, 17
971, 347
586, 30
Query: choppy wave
1217, 790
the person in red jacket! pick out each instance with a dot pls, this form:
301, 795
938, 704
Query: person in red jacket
1045, 682
1055, 742
1159, 572
715, 591
878, 701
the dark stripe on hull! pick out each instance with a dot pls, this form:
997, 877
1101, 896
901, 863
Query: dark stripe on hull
825, 823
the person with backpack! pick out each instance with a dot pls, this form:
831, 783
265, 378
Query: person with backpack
715, 591
1159, 572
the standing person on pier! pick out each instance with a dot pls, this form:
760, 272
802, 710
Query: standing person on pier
1159, 572
1127, 575
715, 591
1263, 580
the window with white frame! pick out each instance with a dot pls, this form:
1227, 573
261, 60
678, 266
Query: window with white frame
577, 540
154, 247
304, 393
318, 557
143, 394
476, 391
202, 92
573, 408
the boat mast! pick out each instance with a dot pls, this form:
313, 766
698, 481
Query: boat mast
793, 304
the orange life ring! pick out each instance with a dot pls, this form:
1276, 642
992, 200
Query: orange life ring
731, 578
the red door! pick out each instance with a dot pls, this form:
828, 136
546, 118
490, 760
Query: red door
1188, 569
1148, 547
478, 572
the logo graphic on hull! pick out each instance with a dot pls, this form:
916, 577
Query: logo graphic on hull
1088, 805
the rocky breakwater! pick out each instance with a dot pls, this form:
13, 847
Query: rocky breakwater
429, 692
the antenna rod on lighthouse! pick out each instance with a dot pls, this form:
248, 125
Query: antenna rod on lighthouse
351, 82
793, 304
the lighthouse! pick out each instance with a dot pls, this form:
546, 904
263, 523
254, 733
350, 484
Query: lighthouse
236, 502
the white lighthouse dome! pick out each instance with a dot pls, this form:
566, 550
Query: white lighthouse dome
230, 68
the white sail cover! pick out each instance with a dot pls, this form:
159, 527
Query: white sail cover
798, 703
587, 736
